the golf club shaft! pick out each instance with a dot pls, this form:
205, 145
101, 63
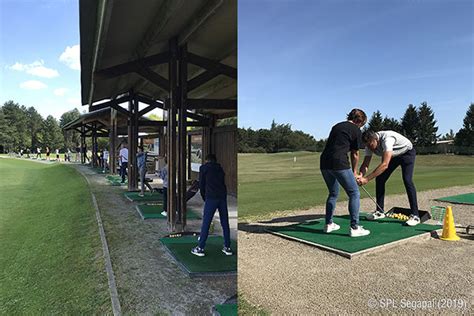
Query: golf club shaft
370, 196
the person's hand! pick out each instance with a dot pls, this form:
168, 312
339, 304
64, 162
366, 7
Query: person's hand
362, 180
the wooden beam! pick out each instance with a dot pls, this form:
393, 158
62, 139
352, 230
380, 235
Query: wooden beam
197, 124
216, 104
110, 103
154, 78
212, 65
149, 101
132, 66
200, 18
146, 110
151, 123
201, 79
197, 117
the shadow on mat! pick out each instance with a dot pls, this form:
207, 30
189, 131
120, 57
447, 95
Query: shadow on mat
260, 227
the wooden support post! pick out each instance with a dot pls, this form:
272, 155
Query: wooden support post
162, 142
132, 144
83, 143
183, 77
207, 143
113, 141
189, 157
94, 145
172, 159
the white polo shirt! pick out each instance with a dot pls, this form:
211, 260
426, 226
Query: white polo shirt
390, 141
123, 155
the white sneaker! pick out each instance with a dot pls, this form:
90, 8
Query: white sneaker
374, 216
359, 232
164, 213
331, 227
413, 220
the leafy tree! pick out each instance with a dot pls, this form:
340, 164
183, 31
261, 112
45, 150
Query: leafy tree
280, 134
376, 122
426, 131
448, 136
15, 116
6, 140
155, 117
71, 138
35, 123
227, 121
410, 123
465, 136
279, 137
52, 134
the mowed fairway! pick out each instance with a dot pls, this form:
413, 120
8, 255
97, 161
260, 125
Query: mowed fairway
50, 250
274, 182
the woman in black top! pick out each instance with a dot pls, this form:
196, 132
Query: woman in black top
344, 137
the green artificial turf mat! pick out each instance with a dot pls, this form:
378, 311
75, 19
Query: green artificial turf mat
99, 170
382, 232
213, 263
148, 196
467, 198
154, 211
116, 180
227, 309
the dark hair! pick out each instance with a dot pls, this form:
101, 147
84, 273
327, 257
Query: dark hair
368, 136
357, 116
211, 157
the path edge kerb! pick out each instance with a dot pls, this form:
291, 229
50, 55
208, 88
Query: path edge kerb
114, 297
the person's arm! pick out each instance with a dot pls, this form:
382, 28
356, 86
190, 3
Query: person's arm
365, 165
202, 182
354, 161
387, 156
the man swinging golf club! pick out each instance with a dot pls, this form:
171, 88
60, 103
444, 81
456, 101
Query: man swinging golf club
395, 150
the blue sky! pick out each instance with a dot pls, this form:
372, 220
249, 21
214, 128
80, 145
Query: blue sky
39, 54
309, 62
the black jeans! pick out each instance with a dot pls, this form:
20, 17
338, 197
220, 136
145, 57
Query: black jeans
165, 199
123, 170
407, 162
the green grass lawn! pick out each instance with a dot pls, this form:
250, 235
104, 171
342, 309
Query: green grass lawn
50, 251
274, 182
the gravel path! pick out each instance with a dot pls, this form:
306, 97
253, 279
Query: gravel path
288, 277
148, 279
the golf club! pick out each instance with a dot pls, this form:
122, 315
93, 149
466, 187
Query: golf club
370, 196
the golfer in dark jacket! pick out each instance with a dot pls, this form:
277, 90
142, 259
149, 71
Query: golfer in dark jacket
214, 193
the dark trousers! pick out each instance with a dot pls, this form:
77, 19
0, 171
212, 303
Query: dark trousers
123, 170
210, 206
407, 162
165, 199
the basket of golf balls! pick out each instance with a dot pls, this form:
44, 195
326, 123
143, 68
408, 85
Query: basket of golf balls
399, 216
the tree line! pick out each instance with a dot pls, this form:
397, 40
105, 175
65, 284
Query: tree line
23, 128
280, 137
417, 123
